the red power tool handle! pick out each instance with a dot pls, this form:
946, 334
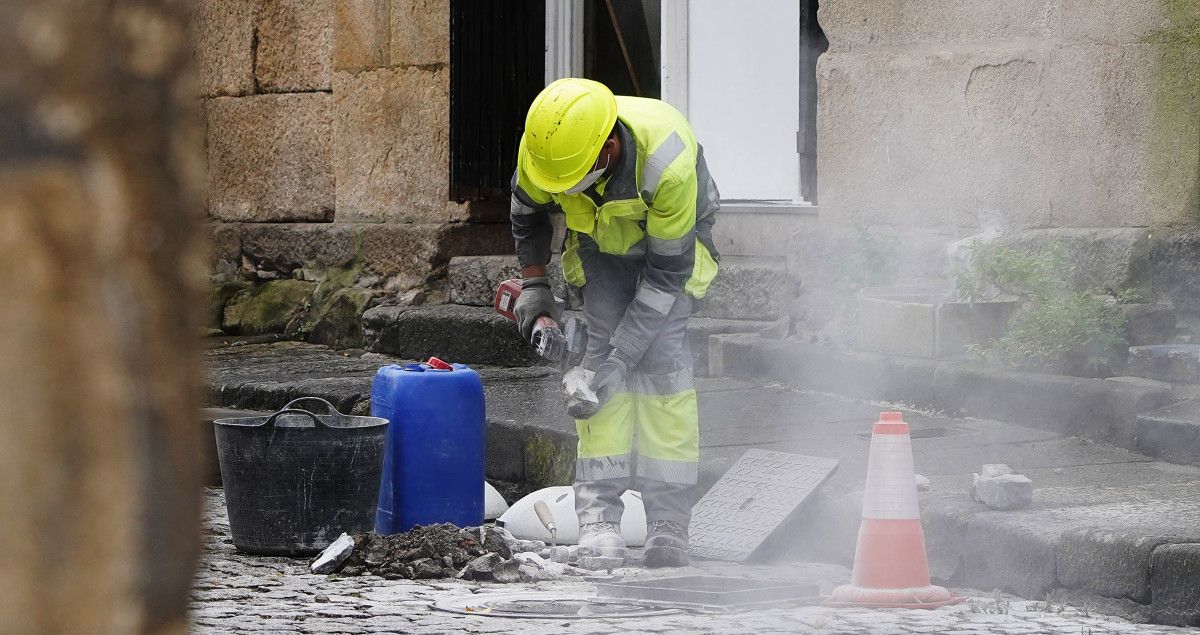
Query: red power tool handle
506, 298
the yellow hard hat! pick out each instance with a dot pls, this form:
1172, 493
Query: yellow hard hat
567, 125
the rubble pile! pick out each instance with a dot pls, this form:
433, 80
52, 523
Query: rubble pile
487, 554
426, 552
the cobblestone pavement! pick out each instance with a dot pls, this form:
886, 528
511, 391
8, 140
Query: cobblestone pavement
236, 593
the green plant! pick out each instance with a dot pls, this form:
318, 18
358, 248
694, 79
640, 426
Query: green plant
871, 262
1057, 326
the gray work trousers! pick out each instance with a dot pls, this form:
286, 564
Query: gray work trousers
659, 404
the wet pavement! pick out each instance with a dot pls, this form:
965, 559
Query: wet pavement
236, 593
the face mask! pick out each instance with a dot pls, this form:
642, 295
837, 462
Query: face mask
588, 180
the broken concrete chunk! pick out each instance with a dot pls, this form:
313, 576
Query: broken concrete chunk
1002, 491
922, 482
481, 568
334, 555
507, 572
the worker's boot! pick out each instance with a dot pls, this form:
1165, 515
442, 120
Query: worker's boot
601, 540
667, 545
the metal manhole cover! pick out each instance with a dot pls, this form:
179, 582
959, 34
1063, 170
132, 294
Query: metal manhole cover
547, 605
751, 500
711, 591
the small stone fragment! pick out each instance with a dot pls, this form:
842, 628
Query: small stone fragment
322, 597
481, 568
507, 572
922, 482
426, 568
334, 555
1002, 491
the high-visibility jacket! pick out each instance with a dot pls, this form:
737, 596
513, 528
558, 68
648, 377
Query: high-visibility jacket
656, 205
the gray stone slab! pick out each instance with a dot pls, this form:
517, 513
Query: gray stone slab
471, 335
1175, 584
1172, 432
1166, 362
1107, 563
752, 500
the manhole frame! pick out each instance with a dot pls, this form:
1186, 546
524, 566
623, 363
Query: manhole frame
460, 605
763, 593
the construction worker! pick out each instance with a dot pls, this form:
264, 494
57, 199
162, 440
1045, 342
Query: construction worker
639, 206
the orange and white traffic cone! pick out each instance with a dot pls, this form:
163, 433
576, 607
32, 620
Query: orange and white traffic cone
890, 566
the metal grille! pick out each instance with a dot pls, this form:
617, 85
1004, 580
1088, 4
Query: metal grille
497, 62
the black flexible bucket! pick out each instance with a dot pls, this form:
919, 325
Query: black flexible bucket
295, 480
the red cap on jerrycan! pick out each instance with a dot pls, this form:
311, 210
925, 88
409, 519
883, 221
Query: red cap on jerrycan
438, 364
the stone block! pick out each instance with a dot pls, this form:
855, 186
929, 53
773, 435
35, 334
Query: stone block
1175, 584
218, 296
748, 292
269, 158
1002, 491
361, 34
1107, 563
471, 335
1175, 267
921, 322
267, 308
224, 248
1014, 557
701, 329
286, 247
295, 45
1148, 324
1171, 432
742, 232
1110, 21
336, 320
873, 24
420, 32
391, 148
223, 46
1166, 362
1084, 135
1110, 259
473, 280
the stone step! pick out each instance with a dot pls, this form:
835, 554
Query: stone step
1172, 432
744, 290
477, 335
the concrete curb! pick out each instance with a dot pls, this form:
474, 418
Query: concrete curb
1093, 408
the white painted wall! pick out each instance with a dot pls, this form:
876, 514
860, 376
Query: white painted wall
743, 93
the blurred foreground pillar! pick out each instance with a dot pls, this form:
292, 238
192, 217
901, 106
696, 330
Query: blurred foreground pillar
100, 160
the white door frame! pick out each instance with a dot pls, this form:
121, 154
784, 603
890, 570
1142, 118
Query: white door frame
673, 54
564, 39
564, 58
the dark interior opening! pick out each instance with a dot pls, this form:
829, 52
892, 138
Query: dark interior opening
497, 67
621, 45
812, 44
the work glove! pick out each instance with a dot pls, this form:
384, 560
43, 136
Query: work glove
536, 300
607, 381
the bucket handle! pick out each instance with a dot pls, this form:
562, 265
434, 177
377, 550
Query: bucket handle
333, 412
270, 422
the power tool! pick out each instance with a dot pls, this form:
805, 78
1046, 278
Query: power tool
564, 345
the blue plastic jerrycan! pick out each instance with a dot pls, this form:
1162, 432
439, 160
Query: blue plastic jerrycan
434, 454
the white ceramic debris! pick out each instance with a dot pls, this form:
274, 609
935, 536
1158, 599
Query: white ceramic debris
493, 503
524, 524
